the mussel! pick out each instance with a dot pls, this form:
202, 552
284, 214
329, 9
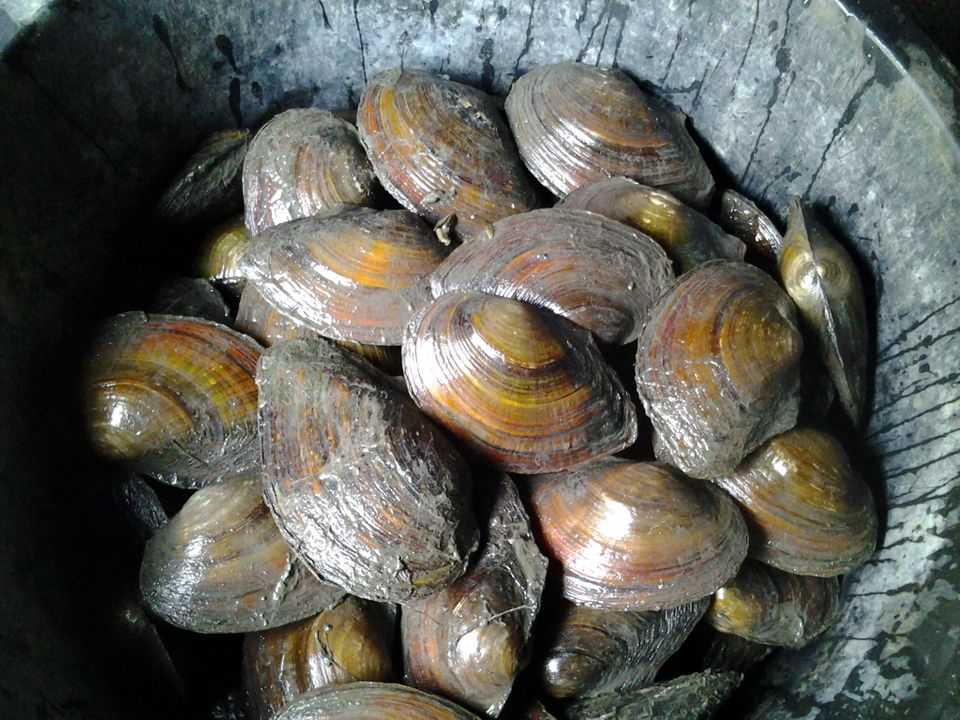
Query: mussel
821, 277
348, 642
174, 397
366, 700
523, 388
469, 641
371, 494
723, 651
807, 510
220, 256
718, 367
353, 274
441, 148
141, 507
221, 566
302, 162
576, 123
593, 271
191, 297
741, 217
689, 238
634, 535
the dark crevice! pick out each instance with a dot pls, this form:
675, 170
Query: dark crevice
363, 48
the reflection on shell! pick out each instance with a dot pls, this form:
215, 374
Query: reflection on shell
739, 216
220, 256
191, 297
366, 700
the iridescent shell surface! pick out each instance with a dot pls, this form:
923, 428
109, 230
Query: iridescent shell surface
373, 701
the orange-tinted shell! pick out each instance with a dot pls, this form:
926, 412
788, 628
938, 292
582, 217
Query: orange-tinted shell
373, 701
220, 256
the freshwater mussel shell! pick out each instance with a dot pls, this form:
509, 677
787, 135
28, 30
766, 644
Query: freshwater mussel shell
301, 163
349, 642
219, 258
689, 238
741, 217
174, 398
636, 536
441, 148
723, 651
370, 493
190, 297
525, 389
220, 565
365, 700
353, 274
807, 510
596, 272
718, 367
469, 641
576, 123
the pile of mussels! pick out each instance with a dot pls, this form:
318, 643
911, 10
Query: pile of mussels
405, 443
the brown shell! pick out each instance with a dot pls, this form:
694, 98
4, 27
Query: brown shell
636, 536
576, 123
441, 148
469, 641
718, 367
354, 274
723, 651
191, 297
739, 216
369, 492
595, 272
524, 707
821, 277
523, 388
220, 256
689, 238
174, 398
221, 566
768, 606
349, 642
367, 700
303, 162
808, 512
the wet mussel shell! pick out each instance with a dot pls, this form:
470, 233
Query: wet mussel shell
365, 700
740, 216
190, 297
219, 257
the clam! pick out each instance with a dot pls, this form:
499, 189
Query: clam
371, 494
303, 162
524, 707
718, 367
595, 272
355, 274
634, 535
141, 507
220, 256
722, 651
526, 390
348, 642
221, 566
823, 281
469, 641
772, 607
174, 398
593, 651
575, 123
741, 217
191, 297
441, 148
208, 187
689, 238
808, 512
365, 700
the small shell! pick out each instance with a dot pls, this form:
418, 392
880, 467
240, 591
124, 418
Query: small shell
369, 492
220, 257
191, 297
525, 389
593, 271
441, 148
718, 367
823, 281
808, 512
220, 566
730, 652
469, 641
739, 216
576, 123
174, 398
366, 700
303, 162
141, 507
689, 238
355, 274
349, 642
636, 536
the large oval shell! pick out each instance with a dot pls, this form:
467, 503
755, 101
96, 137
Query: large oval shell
821, 277
371, 494
469, 641
741, 217
220, 256
190, 297
441, 148
576, 123
636, 536
366, 700
526, 390
303, 162
689, 238
718, 367
221, 566
174, 397
593, 271
349, 642
355, 274
807, 510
